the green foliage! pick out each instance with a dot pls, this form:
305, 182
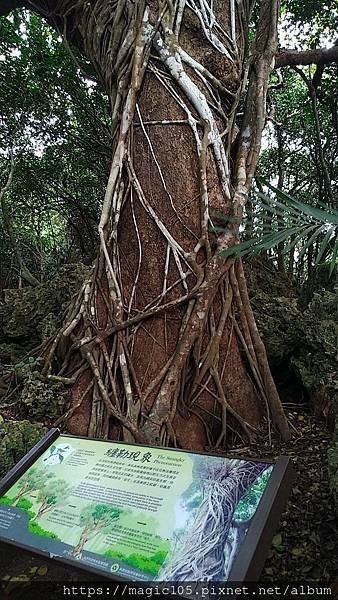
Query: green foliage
6, 500
54, 492
299, 149
34, 479
306, 225
27, 365
16, 439
143, 563
31, 315
160, 556
24, 504
116, 554
55, 120
195, 498
247, 506
99, 516
148, 564
320, 15
40, 398
35, 529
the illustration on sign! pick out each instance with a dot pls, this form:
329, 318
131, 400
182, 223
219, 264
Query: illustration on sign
57, 454
140, 513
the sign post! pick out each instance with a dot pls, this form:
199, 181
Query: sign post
139, 513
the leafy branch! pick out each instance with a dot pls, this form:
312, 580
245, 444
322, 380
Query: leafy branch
306, 225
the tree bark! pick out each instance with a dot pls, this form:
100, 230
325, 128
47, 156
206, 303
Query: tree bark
41, 510
44, 508
156, 335
239, 532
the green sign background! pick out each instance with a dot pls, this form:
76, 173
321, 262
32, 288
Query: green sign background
139, 512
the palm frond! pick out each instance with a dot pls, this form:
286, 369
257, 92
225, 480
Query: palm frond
305, 225
329, 215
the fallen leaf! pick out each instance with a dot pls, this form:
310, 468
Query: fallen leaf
307, 569
277, 540
297, 551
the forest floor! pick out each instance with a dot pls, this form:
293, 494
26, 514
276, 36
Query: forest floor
304, 548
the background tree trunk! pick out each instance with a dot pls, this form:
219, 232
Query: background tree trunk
153, 344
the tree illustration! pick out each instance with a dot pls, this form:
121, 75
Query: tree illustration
32, 480
54, 492
94, 518
203, 553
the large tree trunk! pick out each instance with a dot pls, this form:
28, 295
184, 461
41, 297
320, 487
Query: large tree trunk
161, 344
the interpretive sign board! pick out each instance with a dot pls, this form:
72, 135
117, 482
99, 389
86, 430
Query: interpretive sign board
142, 513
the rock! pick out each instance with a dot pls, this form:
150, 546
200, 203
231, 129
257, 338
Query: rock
43, 400
32, 314
16, 439
303, 343
261, 274
333, 467
280, 324
316, 361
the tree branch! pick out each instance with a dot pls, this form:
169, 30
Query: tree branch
319, 56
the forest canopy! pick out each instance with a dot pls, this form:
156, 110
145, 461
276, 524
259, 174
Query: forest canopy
55, 122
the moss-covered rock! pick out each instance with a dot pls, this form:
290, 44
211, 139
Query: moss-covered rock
304, 343
316, 361
280, 324
262, 274
10, 353
333, 468
34, 313
16, 439
48, 326
43, 399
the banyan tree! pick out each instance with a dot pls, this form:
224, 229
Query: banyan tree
160, 345
208, 550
